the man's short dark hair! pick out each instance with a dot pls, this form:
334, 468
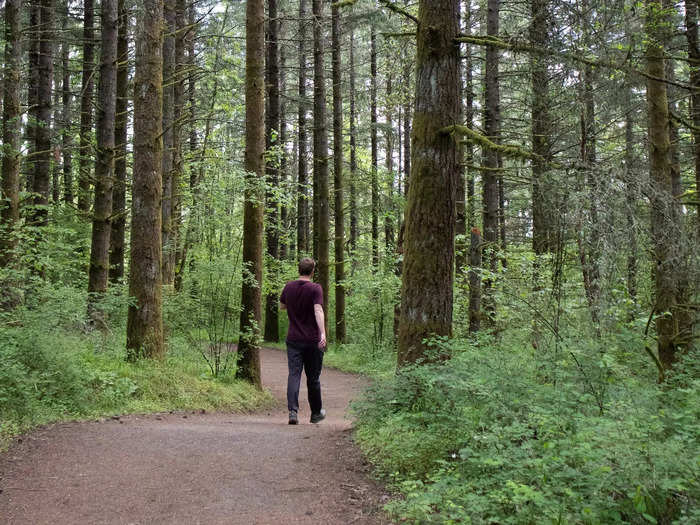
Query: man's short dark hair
306, 266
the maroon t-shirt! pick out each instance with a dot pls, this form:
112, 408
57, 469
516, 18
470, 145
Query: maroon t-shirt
300, 297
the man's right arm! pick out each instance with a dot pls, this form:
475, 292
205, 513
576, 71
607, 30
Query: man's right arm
321, 323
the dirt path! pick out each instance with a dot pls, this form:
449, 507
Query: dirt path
196, 468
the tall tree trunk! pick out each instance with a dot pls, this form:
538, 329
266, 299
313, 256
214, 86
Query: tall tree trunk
339, 239
389, 163
42, 133
691, 24
272, 125
492, 125
475, 256
469, 100
426, 293
631, 199
86, 95
144, 336
117, 235
542, 221
590, 238
664, 230
104, 162
321, 203
66, 141
373, 131
56, 133
168, 121
302, 174
353, 150
248, 344
177, 253
284, 182
11, 118
32, 91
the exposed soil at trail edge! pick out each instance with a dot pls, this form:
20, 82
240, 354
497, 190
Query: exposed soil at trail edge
197, 468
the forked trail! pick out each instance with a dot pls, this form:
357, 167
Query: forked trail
197, 468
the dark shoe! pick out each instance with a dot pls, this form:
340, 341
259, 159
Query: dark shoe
293, 419
320, 416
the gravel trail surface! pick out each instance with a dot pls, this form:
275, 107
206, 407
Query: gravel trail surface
197, 468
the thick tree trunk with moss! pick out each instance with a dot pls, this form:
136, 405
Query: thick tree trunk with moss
42, 131
338, 185
426, 293
117, 235
321, 155
272, 129
11, 118
104, 161
302, 173
144, 336
168, 122
86, 96
664, 229
251, 297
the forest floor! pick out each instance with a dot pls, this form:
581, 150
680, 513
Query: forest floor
197, 468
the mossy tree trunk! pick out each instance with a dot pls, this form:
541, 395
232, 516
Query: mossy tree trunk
373, 140
428, 268
251, 297
104, 161
144, 336
665, 231
11, 118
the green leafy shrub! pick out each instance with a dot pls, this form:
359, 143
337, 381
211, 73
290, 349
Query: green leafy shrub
491, 437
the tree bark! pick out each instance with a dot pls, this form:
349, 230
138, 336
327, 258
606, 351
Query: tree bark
543, 232
144, 336
492, 125
117, 235
664, 229
11, 118
248, 344
426, 293
104, 162
475, 281
66, 141
389, 164
168, 121
321, 196
302, 175
338, 185
42, 132
353, 150
373, 139
272, 125
691, 24
86, 96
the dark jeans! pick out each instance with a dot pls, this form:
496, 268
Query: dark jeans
310, 358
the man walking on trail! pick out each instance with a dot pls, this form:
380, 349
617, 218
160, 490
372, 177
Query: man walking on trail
306, 339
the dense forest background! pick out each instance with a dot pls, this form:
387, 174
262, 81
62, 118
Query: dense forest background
502, 198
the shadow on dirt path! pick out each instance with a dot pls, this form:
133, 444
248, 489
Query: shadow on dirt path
197, 468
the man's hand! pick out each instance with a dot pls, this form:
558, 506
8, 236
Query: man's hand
322, 343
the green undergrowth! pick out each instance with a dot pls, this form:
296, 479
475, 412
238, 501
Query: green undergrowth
52, 369
503, 434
